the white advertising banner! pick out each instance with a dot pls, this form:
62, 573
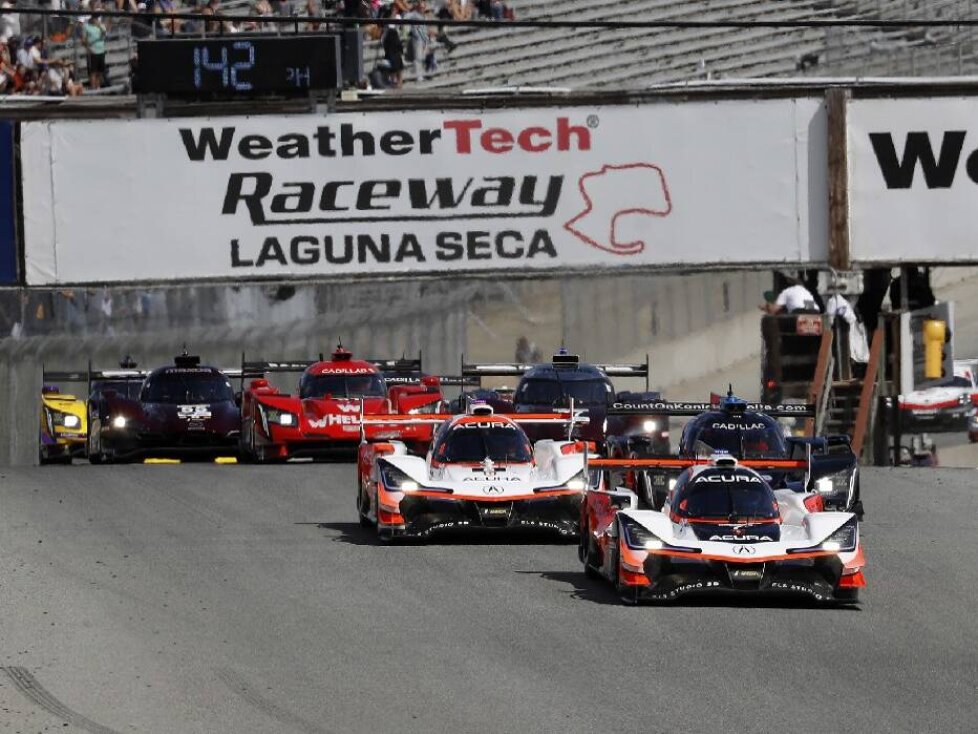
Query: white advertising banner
913, 177
391, 193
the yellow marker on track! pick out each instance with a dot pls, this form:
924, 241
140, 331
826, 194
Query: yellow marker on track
226, 460
161, 461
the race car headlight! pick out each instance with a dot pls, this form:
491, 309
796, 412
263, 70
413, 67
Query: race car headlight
836, 485
424, 409
650, 426
119, 421
638, 536
843, 539
396, 480
57, 418
576, 483
282, 417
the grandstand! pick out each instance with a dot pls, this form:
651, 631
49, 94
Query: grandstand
638, 58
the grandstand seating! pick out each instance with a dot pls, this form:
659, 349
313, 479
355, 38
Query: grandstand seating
637, 58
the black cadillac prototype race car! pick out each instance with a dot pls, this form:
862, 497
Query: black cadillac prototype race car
182, 410
567, 382
745, 431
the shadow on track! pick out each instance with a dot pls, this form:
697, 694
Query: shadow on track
582, 587
599, 592
354, 534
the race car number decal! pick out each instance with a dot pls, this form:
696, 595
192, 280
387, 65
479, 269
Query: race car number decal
193, 412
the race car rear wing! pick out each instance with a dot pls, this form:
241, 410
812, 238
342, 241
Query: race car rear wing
570, 418
518, 369
300, 365
664, 407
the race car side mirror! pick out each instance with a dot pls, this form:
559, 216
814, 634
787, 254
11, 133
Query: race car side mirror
430, 381
259, 383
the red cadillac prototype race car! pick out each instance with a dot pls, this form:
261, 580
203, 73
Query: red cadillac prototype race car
324, 419
722, 528
482, 472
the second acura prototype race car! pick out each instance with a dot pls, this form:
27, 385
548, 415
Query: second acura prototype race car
825, 464
482, 472
722, 528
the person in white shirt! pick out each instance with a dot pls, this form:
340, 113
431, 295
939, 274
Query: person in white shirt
9, 22
792, 299
838, 307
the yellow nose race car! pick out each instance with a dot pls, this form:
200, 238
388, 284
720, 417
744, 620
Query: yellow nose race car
64, 426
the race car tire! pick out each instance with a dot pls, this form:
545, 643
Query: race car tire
46, 460
586, 552
627, 594
95, 459
365, 521
847, 596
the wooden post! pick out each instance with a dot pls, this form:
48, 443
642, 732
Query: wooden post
868, 393
836, 105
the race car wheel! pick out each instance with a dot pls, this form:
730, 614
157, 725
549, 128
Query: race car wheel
363, 508
587, 552
628, 594
847, 596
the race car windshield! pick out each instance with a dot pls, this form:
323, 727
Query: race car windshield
186, 388
126, 388
742, 442
729, 496
557, 392
499, 443
341, 386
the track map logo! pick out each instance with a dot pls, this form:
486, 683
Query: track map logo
614, 192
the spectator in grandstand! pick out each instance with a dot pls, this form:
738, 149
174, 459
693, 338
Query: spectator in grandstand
55, 76
164, 8
450, 10
417, 49
9, 22
393, 52
264, 9
93, 38
7, 69
312, 11
219, 25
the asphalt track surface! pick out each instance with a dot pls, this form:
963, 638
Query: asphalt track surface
202, 598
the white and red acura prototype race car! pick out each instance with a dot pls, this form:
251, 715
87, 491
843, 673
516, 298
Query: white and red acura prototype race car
722, 528
481, 472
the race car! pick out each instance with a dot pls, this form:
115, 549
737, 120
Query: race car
180, 411
722, 528
566, 381
324, 418
973, 426
64, 425
64, 417
946, 408
482, 472
744, 430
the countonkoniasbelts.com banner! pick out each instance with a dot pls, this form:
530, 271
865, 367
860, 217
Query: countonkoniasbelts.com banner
421, 192
913, 176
